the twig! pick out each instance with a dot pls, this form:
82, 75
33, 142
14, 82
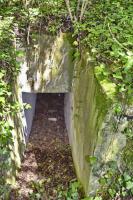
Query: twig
69, 9
116, 39
77, 10
83, 8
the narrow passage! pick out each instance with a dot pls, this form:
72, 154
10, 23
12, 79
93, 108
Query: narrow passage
48, 161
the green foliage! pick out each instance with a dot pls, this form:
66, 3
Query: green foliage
73, 192
91, 159
115, 183
107, 32
38, 192
9, 68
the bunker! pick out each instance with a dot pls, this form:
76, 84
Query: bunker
49, 71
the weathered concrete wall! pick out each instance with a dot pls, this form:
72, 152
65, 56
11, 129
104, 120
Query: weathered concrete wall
89, 120
68, 114
29, 98
47, 65
83, 115
108, 149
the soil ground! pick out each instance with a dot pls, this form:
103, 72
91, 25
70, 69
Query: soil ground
48, 159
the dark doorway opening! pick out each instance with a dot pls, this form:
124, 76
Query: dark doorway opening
49, 115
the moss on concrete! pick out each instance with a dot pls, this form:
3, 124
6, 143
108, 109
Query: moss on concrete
48, 64
89, 109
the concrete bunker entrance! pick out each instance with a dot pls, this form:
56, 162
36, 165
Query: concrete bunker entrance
49, 115
50, 108
48, 154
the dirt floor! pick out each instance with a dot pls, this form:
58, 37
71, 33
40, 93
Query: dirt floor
47, 165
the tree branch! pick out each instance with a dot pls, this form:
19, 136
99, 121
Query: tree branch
77, 10
83, 8
69, 9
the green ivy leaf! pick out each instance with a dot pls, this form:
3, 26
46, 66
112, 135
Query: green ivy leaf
91, 159
112, 192
129, 185
126, 177
2, 100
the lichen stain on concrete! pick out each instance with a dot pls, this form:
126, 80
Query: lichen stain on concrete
47, 65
